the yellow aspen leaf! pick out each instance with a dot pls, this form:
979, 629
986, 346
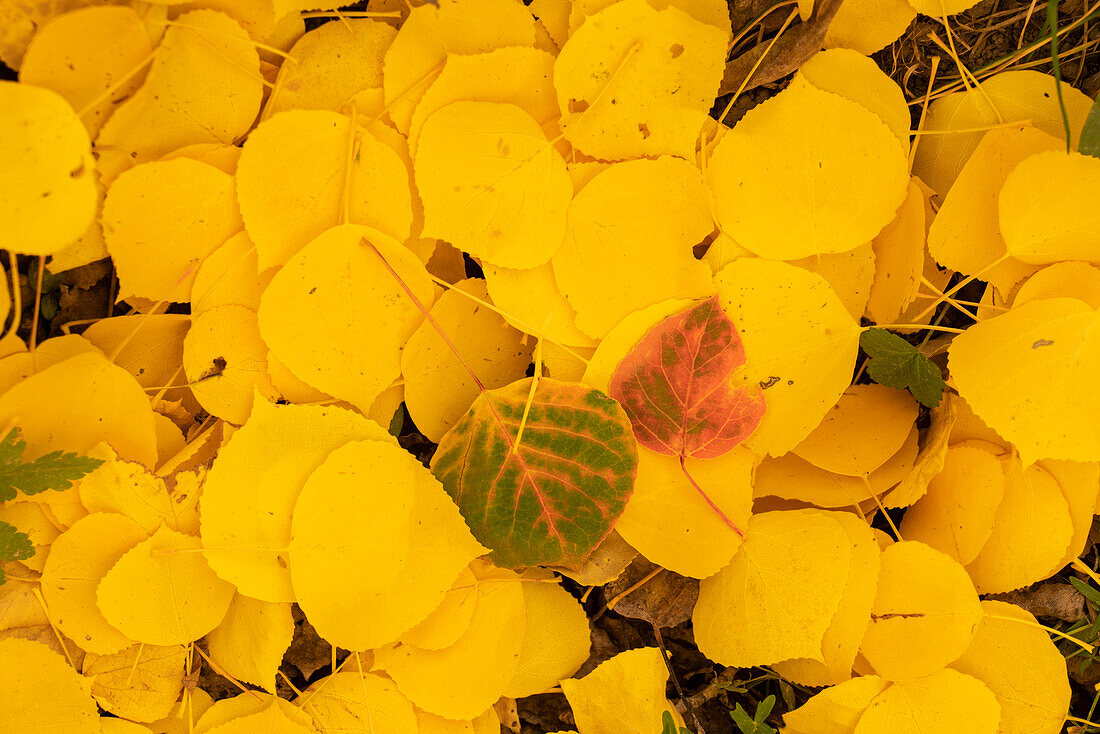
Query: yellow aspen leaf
110, 725
19, 22
862, 431
161, 219
966, 234
1080, 483
341, 330
835, 710
438, 387
250, 642
329, 65
81, 55
556, 641
934, 443
140, 683
516, 75
229, 276
1034, 514
223, 157
567, 366
1048, 351
607, 562
62, 509
78, 560
1010, 96
850, 274
711, 12
636, 81
623, 695
367, 702
181, 599
623, 337
898, 259
669, 522
225, 360
88, 248
249, 494
462, 680
29, 671
533, 303
499, 194
858, 78
868, 26
629, 240
351, 605
78, 403
447, 623
186, 712
149, 347
940, 8
1022, 667
351, 531
290, 388
1062, 280
924, 615
839, 182
957, 514
204, 86
841, 642
130, 489
47, 186
554, 16
432, 724
249, 704
800, 341
945, 700
1042, 213
791, 477
785, 583
271, 720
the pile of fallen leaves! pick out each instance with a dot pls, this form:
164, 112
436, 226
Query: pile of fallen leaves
634, 336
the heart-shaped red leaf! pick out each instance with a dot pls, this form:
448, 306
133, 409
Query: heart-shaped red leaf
677, 385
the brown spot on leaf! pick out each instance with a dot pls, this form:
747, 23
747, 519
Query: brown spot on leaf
643, 129
1042, 343
577, 105
676, 49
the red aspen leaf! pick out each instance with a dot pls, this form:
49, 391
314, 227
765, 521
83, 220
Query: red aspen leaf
676, 386
551, 495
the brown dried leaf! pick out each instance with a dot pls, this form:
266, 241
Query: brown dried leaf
665, 600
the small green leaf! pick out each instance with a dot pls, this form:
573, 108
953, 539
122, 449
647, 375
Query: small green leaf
14, 546
755, 724
55, 470
670, 725
896, 363
1090, 594
1090, 133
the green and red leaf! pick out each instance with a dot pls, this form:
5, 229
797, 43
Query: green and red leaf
552, 499
676, 385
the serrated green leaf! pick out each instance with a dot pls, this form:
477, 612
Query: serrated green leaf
896, 363
55, 470
1090, 133
14, 546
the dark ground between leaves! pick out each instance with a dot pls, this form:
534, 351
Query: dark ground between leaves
990, 33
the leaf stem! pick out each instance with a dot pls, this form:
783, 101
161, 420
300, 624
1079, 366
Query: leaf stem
1050, 630
707, 499
1052, 21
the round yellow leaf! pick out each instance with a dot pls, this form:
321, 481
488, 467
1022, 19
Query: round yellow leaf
451, 618
160, 220
924, 615
1040, 397
140, 683
462, 680
88, 56
623, 694
29, 672
786, 190
945, 701
250, 642
223, 157
225, 360
629, 240
956, 516
868, 26
635, 81
162, 592
337, 315
785, 583
1062, 280
271, 720
47, 184
1043, 214
898, 259
492, 184
622, 338
292, 176
438, 387
1080, 484
532, 302
247, 704
1031, 533
348, 701
79, 558
329, 65
556, 642
800, 341
249, 494
858, 78
78, 403
1023, 668
711, 12
835, 710
229, 276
